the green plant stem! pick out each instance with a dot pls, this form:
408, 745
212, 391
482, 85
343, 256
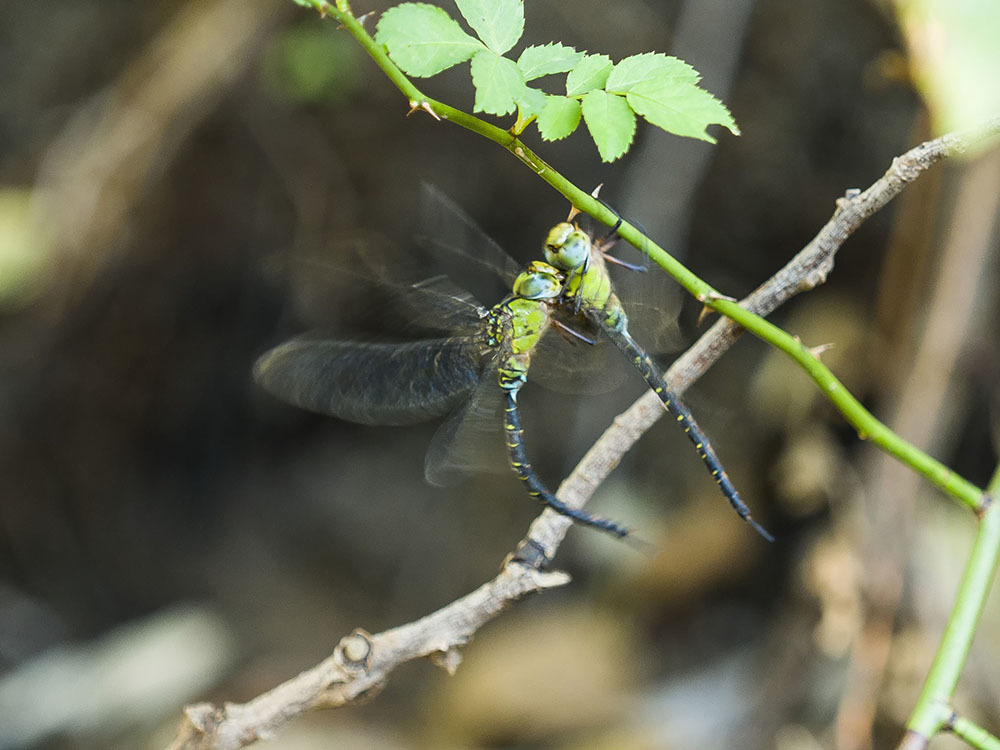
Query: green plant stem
933, 710
973, 735
868, 427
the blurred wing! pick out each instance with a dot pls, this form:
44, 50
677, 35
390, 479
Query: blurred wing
452, 238
372, 383
471, 440
652, 300
566, 363
390, 288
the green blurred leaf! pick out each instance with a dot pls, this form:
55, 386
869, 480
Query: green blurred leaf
954, 50
610, 121
26, 260
312, 64
498, 83
559, 117
423, 39
680, 107
536, 62
499, 23
591, 73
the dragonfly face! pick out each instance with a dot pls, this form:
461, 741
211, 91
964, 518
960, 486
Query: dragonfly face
539, 281
567, 247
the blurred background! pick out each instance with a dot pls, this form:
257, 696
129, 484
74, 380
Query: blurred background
170, 534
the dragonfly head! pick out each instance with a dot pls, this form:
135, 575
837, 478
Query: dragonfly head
567, 247
539, 281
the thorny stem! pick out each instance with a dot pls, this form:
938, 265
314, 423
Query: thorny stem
933, 711
868, 427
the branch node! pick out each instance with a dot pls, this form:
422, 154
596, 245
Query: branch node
845, 201
448, 660
204, 717
354, 651
530, 553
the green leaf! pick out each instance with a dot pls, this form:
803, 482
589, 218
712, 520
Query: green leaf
558, 118
610, 121
649, 66
591, 73
499, 23
530, 101
498, 83
423, 39
536, 62
680, 107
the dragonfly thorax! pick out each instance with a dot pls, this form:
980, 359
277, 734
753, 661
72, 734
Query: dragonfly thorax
516, 325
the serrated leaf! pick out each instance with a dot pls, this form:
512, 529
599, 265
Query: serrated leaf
680, 107
530, 101
648, 66
499, 23
559, 117
498, 83
591, 73
423, 39
536, 62
610, 121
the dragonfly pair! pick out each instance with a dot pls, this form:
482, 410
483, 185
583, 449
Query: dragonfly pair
488, 355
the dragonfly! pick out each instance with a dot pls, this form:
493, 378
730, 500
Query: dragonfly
588, 291
490, 352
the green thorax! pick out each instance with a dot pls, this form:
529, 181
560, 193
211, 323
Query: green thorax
588, 284
516, 325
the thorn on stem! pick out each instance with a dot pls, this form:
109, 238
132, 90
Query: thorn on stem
816, 351
423, 106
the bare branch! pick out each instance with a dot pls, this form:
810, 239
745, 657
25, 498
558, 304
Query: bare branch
361, 663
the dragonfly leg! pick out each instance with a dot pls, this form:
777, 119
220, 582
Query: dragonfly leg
686, 420
571, 334
519, 463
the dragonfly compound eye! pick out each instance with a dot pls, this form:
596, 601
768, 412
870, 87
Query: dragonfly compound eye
538, 281
567, 247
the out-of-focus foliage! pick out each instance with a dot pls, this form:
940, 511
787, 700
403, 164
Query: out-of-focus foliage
310, 63
24, 250
954, 57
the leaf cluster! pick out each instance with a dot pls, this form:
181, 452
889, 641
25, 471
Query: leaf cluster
424, 40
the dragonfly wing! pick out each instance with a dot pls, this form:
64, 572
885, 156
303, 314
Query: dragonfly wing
355, 276
471, 440
652, 300
563, 362
451, 237
372, 383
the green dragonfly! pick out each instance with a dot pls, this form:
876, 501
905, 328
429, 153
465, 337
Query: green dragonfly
457, 375
587, 290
